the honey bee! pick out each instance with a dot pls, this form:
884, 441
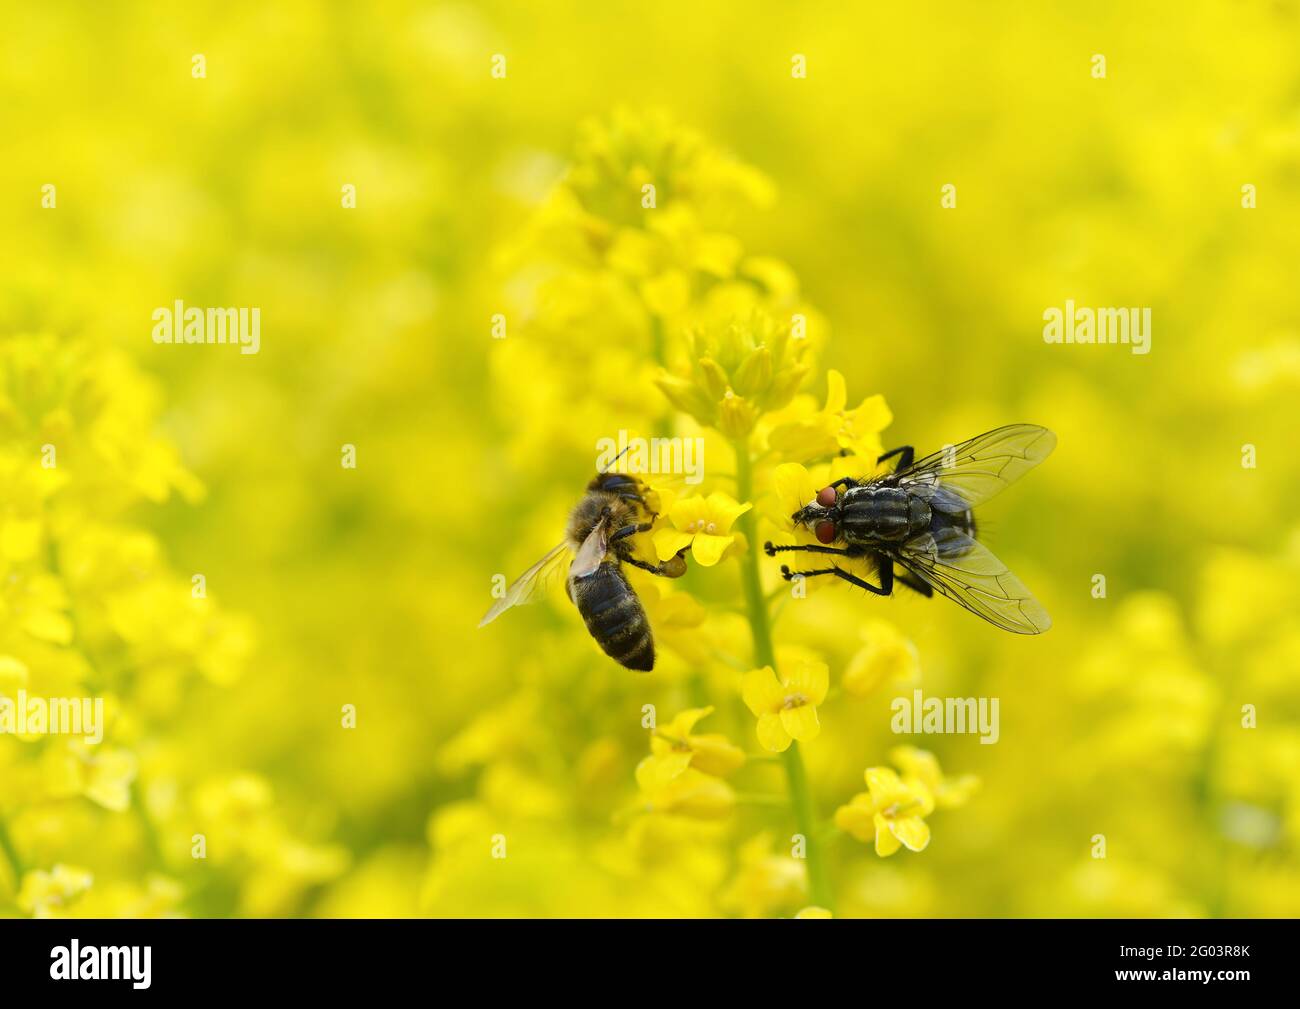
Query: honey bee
597, 543
920, 517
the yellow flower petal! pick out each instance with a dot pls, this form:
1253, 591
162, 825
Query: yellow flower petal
911, 831
857, 818
761, 691
708, 550
682, 725
109, 778
49, 626
668, 541
724, 510
886, 842
871, 417
655, 773
794, 486
917, 763
885, 786
716, 754
687, 513
801, 722
696, 795
812, 679
836, 392
887, 657
772, 734
806, 439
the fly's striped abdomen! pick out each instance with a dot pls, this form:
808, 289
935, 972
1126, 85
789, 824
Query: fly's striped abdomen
882, 515
963, 522
615, 617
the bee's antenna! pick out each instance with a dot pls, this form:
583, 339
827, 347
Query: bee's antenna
615, 459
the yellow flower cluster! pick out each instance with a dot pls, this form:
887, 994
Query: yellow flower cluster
92, 616
483, 304
731, 347
683, 773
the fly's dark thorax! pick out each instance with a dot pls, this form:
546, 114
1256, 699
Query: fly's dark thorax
882, 515
614, 616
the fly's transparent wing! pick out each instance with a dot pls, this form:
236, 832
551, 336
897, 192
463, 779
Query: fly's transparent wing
959, 477
533, 583
965, 571
592, 552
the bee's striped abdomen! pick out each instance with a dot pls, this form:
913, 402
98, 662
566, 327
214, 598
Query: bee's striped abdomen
615, 617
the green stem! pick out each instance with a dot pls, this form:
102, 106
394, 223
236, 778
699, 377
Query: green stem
11, 853
801, 800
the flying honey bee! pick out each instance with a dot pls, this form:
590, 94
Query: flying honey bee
597, 543
920, 517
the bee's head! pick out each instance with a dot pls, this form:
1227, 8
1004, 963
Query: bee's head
821, 515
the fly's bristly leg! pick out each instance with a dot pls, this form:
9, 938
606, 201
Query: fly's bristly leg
771, 549
916, 585
885, 588
905, 457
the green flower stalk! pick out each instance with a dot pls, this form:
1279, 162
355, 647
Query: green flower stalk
801, 800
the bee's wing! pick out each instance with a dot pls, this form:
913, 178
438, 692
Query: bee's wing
961, 476
532, 584
965, 571
592, 551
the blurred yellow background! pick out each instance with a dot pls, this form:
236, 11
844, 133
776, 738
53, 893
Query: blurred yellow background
519, 195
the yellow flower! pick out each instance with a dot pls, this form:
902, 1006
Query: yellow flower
675, 616
703, 524
834, 428
741, 366
13, 674
766, 882
617, 155
891, 810
670, 785
103, 774
921, 768
888, 656
794, 486
664, 254
45, 894
813, 911
786, 709
712, 753
41, 604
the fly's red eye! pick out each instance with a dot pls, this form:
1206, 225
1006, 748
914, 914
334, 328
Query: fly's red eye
825, 532
826, 497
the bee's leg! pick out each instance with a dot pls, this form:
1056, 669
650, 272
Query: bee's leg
904, 453
846, 481
772, 550
885, 588
631, 530
662, 569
